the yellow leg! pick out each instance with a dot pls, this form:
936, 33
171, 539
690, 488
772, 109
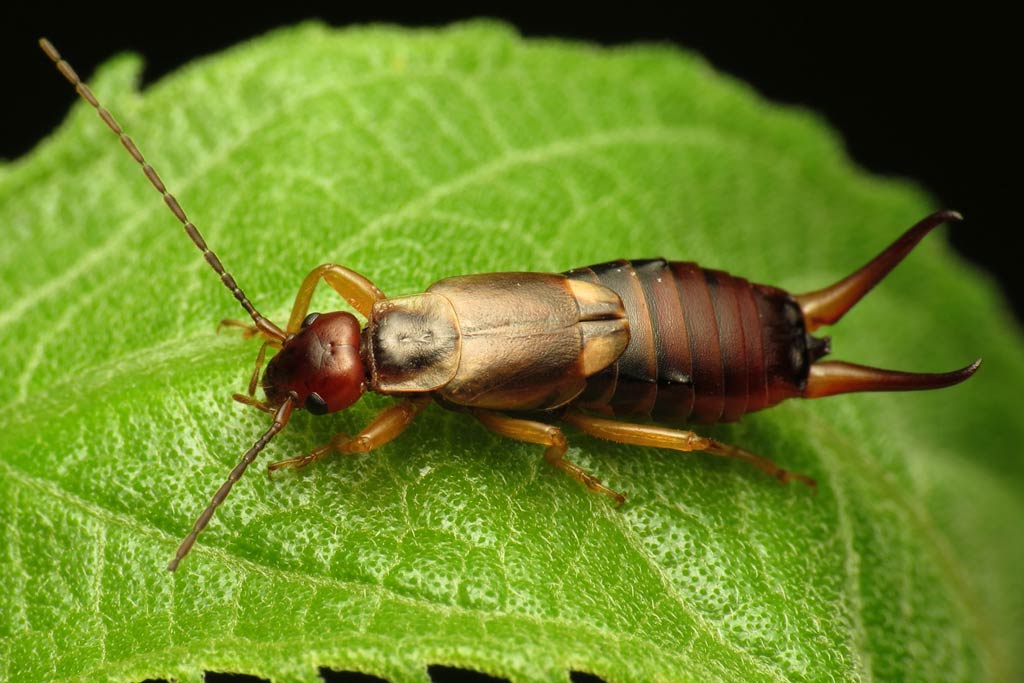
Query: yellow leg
677, 440
545, 435
251, 401
249, 331
256, 370
359, 292
388, 424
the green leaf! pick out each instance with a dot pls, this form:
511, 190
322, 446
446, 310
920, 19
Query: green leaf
414, 155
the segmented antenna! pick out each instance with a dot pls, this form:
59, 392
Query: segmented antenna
264, 325
284, 411
281, 416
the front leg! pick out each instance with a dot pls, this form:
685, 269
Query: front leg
250, 330
359, 292
388, 424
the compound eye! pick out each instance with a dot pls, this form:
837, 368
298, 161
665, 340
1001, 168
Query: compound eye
308, 320
315, 404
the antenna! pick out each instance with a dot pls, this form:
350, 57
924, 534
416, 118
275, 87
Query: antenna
269, 329
281, 416
262, 324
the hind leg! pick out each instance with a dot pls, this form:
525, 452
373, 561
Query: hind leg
677, 440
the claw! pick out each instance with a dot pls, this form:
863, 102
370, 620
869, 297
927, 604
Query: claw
594, 484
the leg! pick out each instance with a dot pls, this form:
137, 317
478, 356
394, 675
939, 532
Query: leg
251, 401
545, 435
359, 292
660, 437
256, 370
388, 424
255, 378
249, 330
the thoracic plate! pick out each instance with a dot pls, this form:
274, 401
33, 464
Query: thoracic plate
414, 343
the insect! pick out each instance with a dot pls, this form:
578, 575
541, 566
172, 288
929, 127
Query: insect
521, 352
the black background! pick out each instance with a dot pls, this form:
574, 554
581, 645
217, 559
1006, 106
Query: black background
928, 97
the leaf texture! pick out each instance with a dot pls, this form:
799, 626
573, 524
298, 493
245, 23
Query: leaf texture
415, 155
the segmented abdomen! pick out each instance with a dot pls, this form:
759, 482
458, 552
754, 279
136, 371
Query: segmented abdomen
705, 346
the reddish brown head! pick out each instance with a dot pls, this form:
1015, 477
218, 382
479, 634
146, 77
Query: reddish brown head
320, 365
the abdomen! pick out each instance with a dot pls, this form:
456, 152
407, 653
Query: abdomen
705, 346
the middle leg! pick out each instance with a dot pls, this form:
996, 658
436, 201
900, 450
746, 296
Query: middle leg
546, 435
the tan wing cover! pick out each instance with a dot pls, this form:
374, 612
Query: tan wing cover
506, 341
530, 340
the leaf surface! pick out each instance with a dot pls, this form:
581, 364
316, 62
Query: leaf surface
414, 155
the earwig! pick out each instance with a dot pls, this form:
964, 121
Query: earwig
651, 339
